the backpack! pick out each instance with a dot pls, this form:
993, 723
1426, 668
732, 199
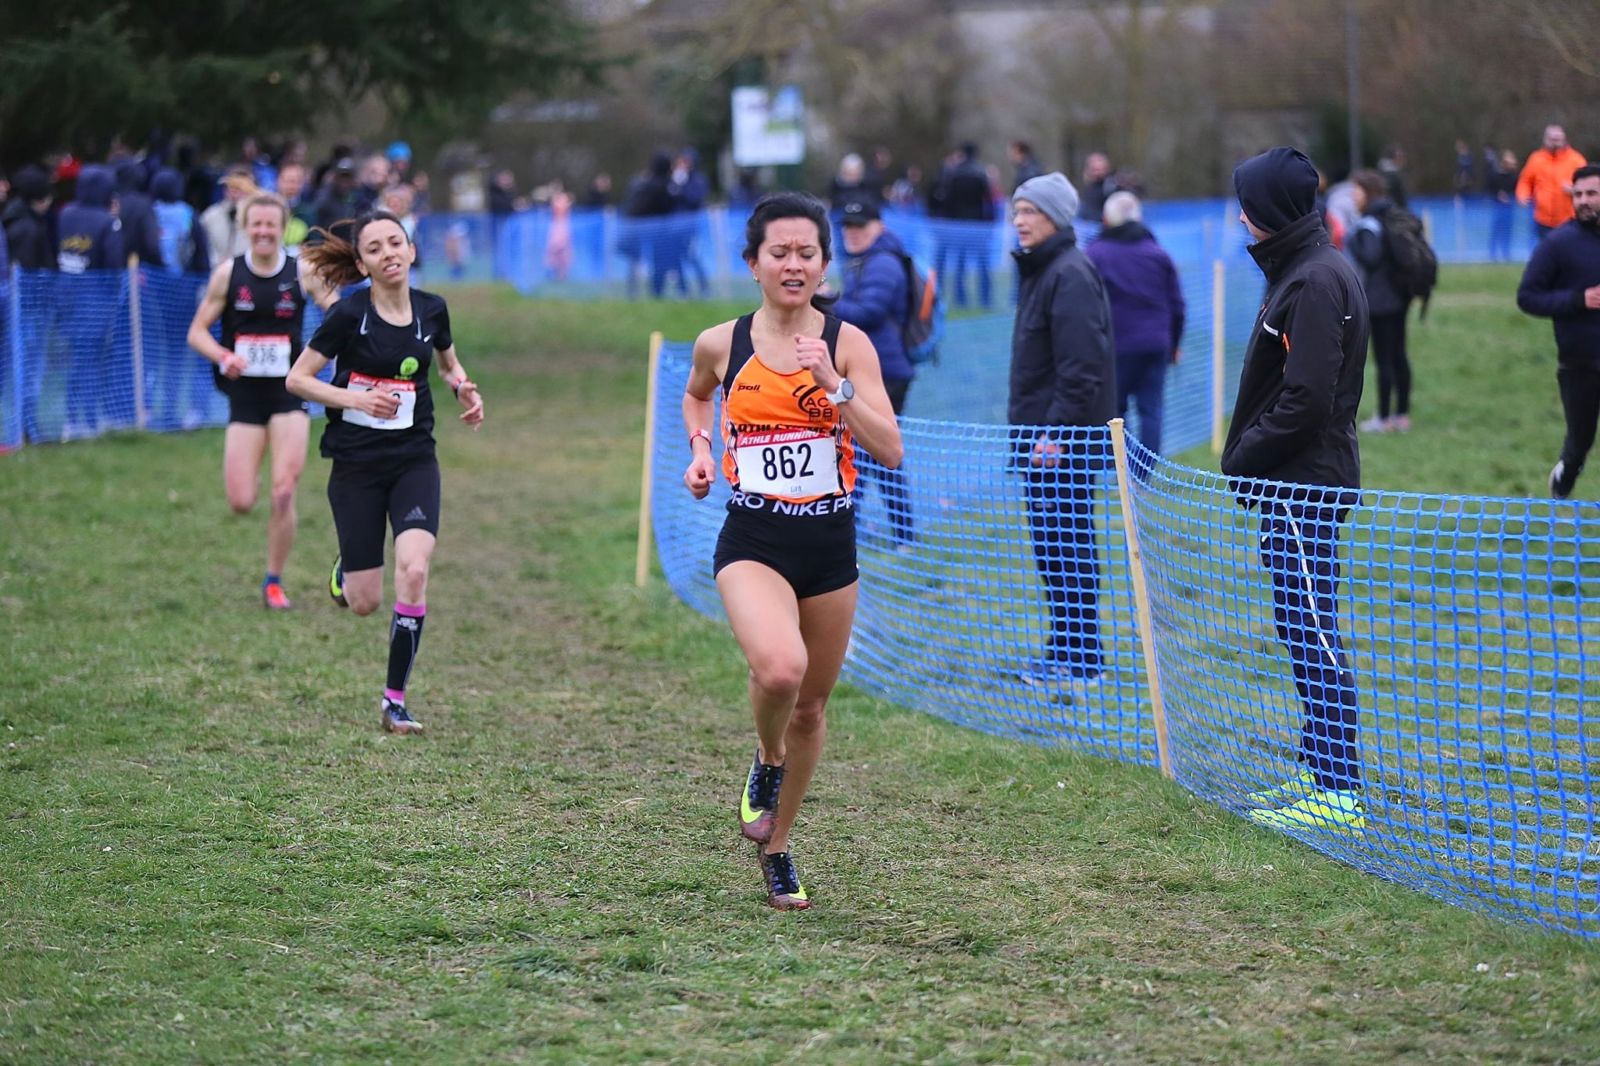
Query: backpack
923, 329
1416, 267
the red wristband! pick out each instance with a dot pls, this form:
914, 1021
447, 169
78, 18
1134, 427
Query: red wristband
697, 435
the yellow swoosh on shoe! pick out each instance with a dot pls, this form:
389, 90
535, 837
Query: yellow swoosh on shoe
746, 812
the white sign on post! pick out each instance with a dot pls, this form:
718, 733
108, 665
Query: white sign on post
768, 126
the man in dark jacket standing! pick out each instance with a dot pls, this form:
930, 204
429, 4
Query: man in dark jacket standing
1147, 310
877, 300
1063, 375
141, 233
30, 231
1294, 422
89, 298
964, 196
1562, 282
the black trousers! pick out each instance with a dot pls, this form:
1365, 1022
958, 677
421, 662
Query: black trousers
1066, 554
1580, 402
1299, 548
1394, 367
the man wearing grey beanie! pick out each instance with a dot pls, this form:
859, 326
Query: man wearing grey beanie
1063, 391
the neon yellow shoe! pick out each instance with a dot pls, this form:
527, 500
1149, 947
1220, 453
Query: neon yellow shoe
336, 582
1293, 790
1323, 809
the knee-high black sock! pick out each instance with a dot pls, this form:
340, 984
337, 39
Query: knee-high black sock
405, 637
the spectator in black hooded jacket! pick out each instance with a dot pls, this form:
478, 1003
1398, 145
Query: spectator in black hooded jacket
1295, 421
141, 233
87, 306
30, 230
90, 236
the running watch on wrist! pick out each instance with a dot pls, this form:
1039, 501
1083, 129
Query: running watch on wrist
843, 394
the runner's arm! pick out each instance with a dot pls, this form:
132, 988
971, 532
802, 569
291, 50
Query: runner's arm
304, 383
212, 304
455, 375
699, 407
870, 416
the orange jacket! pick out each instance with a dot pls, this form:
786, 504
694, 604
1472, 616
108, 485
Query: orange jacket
1546, 180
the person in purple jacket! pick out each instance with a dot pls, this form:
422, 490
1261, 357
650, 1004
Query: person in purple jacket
1147, 310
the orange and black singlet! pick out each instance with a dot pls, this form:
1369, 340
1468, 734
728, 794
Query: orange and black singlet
784, 444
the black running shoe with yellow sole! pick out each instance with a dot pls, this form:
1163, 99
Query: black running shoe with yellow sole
336, 582
758, 801
784, 890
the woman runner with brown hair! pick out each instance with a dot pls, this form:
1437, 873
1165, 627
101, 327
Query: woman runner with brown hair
380, 430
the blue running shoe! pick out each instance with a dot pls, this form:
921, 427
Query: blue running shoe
758, 800
784, 890
396, 720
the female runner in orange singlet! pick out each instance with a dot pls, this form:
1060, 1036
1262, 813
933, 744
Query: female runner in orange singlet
799, 389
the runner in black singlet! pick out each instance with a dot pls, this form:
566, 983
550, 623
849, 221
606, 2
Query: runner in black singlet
380, 430
260, 298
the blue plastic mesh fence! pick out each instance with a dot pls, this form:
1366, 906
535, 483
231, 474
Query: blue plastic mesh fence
11, 365
997, 594
956, 621
601, 252
76, 376
970, 381
1460, 628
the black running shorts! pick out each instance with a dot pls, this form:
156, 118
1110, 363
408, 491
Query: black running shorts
815, 555
364, 495
253, 401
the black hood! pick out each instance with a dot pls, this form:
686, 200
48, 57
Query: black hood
31, 183
1276, 188
94, 186
132, 177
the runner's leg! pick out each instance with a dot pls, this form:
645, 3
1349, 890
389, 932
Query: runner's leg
825, 623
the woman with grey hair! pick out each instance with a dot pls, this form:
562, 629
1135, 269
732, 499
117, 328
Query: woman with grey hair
1147, 310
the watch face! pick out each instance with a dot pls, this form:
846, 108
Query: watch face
847, 391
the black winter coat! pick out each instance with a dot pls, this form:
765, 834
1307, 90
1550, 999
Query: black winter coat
30, 236
1063, 352
1564, 264
1295, 416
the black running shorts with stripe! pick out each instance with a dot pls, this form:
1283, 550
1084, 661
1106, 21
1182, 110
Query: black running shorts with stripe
364, 495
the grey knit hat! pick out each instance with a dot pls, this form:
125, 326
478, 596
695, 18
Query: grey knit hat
1053, 195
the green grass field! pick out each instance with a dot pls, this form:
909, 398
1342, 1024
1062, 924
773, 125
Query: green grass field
212, 854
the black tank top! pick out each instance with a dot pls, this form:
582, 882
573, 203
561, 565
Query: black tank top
269, 307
